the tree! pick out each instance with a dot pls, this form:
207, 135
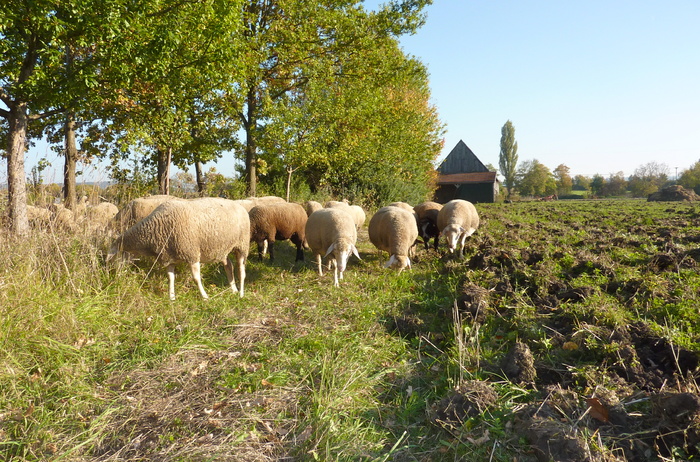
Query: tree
648, 179
30, 64
690, 178
284, 40
582, 183
534, 179
598, 184
508, 157
616, 185
563, 179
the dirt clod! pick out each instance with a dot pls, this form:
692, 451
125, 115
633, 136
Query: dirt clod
519, 364
469, 399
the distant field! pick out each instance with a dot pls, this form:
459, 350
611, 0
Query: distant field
570, 331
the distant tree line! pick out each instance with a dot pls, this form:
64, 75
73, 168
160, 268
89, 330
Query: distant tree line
306, 94
532, 178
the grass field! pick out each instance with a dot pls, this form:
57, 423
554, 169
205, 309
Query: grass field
568, 332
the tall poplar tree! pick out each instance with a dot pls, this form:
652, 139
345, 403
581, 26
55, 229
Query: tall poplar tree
508, 158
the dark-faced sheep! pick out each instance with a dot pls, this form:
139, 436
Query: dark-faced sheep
276, 222
194, 232
457, 220
393, 230
332, 233
426, 214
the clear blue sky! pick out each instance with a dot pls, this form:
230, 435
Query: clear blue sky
600, 86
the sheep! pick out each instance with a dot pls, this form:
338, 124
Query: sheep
278, 221
457, 220
266, 200
332, 232
194, 232
62, 217
393, 229
402, 205
358, 215
138, 209
99, 217
39, 217
426, 214
311, 207
356, 212
246, 203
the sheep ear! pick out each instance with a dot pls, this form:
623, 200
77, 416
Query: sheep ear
355, 252
461, 229
330, 249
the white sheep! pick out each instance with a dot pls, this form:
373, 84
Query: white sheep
311, 207
426, 214
99, 217
138, 209
332, 231
356, 212
194, 232
457, 220
393, 229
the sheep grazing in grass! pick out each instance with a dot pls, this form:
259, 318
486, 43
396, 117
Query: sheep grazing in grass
393, 230
138, 209
99, 217
39, 217
457, 220
331, 232
356, 212
311, 207
426, 214
194, 232
275, 222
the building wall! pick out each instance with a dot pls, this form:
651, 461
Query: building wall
474, 193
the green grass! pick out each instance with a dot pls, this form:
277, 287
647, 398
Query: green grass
97, 363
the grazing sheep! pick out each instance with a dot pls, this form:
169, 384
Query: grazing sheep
266, 200
331, 204
194, 232
358, 215
332, 232
311, 207
457, 220
402, 205
39, 217
278, 221
246, 203
426, 214
62, 218
100, 216
138, 209
393, 229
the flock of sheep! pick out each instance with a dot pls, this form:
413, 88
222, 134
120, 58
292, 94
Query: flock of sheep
196, 231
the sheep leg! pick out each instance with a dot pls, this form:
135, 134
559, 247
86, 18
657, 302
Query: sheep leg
197, 276
171, 281
335, 273
228, 266
319, 263
300, 247
462, 242
240, 259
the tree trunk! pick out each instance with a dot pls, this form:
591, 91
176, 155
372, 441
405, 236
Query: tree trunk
199, 175
251, 155
71, 153
16, 180
164, 157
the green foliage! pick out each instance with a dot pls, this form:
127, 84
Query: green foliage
648, 179
534, 179
690, 178
508, 156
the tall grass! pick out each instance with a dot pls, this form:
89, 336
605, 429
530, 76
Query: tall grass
97, 364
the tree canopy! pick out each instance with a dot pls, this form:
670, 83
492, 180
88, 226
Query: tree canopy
321, 88
508, 157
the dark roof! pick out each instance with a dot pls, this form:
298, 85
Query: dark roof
467, 178
461, 160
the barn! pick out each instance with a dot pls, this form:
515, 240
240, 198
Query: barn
463, 176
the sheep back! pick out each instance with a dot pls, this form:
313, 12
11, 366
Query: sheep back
278, 221
311, 207
393, 230
138, 209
